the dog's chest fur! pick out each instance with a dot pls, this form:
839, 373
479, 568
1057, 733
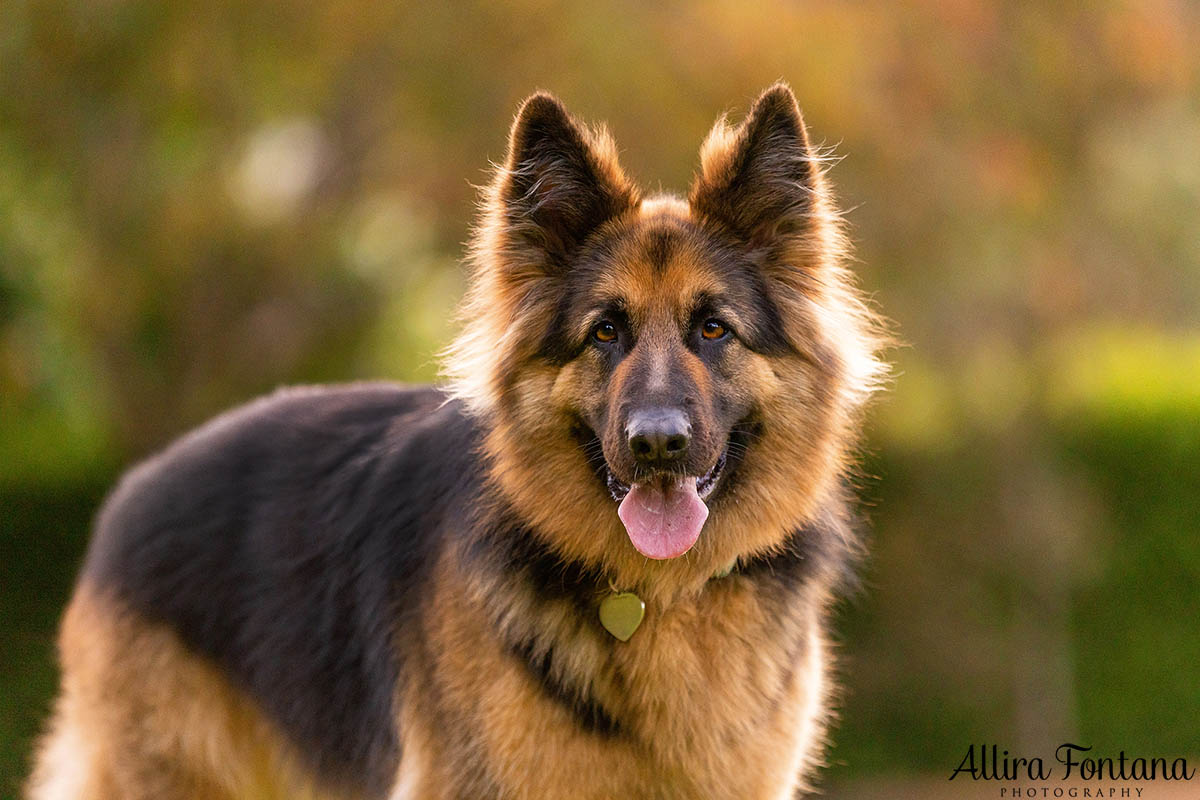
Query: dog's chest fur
715, 695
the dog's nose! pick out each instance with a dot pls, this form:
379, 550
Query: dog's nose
658, 436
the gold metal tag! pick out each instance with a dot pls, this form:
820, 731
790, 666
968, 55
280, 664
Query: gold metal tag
621, 614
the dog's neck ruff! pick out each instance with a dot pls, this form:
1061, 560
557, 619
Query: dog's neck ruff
511, 550
621, 613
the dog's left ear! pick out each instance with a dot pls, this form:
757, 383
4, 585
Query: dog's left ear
560, 181
759, 178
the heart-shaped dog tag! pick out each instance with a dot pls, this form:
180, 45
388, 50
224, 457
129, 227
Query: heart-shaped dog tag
621, 614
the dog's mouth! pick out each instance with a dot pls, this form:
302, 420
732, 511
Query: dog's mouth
705, 484
664, 512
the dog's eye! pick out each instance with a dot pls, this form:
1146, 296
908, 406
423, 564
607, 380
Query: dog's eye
713, 329
605, 332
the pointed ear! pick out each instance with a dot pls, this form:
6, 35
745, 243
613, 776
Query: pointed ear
561, 180
759, 178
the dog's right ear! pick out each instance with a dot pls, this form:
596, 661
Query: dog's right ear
560, 181
760, 178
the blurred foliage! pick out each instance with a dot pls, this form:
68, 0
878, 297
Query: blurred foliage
201, 201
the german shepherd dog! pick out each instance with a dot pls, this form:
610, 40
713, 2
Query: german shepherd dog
598, 563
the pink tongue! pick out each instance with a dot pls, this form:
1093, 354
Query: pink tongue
663, 523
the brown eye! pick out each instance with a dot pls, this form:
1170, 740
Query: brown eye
713, 329
605, 332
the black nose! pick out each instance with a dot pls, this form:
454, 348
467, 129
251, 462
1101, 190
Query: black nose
658, 436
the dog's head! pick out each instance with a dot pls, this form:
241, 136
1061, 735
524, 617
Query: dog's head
659, 362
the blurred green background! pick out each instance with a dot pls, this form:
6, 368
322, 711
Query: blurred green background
202, 201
